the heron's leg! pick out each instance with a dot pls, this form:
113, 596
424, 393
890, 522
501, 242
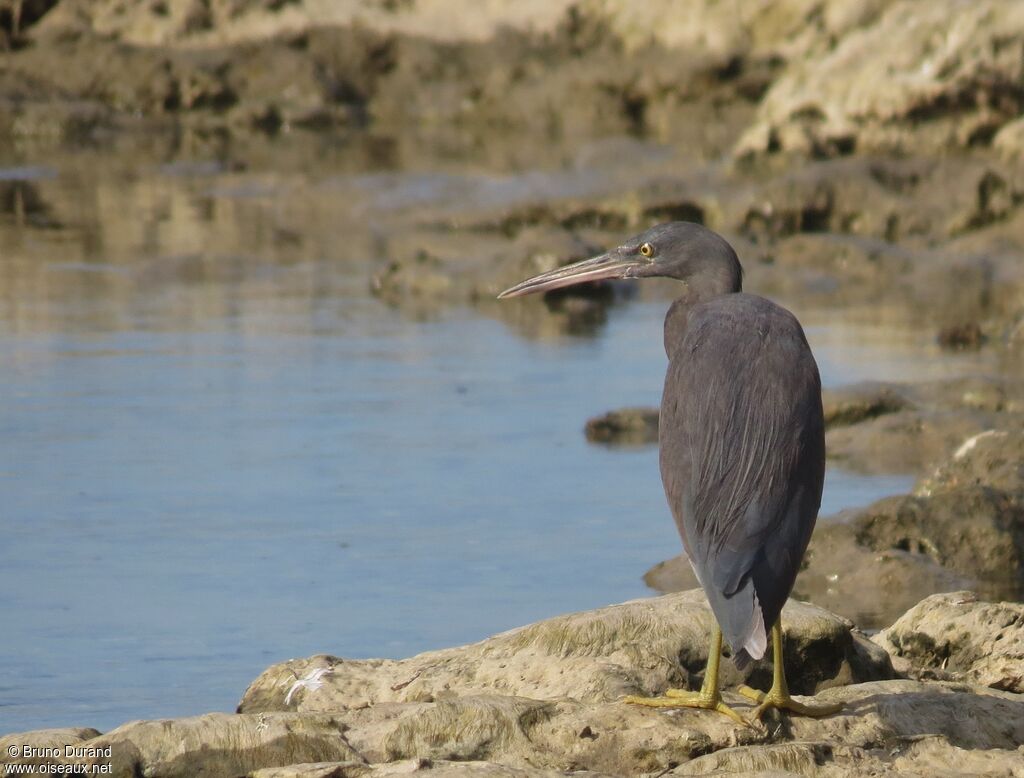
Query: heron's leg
708, 697
778, 695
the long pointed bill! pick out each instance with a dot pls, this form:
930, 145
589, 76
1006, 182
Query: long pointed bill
609, 265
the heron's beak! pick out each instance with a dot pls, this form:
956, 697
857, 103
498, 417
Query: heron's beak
610, 265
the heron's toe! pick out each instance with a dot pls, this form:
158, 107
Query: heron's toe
680, 698
755, 695
800, 709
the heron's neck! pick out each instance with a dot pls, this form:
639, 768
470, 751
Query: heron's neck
710, 285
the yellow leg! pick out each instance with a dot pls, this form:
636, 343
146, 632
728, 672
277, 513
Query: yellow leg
708, 697
778, 695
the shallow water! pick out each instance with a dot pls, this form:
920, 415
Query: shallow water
220, 452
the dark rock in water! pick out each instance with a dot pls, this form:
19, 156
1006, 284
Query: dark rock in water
974, 530
860, 402
961, 638
962, 337
626, 426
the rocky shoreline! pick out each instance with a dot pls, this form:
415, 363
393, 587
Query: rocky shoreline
940, 692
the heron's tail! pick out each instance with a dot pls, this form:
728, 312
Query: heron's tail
756, 639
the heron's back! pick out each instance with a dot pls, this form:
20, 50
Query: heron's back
742, 454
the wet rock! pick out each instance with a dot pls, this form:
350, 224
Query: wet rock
860, 402
626, 426
871, 587
640, 647
903, 82
976, 531
962, 638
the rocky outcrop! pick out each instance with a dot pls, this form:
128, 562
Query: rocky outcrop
921, 76
994, 458
958, 637
640, 647
625, 426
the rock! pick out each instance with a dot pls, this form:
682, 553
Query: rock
625, 426
974, 530
992, 458
919, 77
908, 441
881, 721
1009, 141
465, 711
931, 755
870, 587
223, 744
640, 647
317, 770
984, 393
433, 768
35, 748
204, 24
860, 402
963, 638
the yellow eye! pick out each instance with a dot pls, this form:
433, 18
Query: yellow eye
647, 250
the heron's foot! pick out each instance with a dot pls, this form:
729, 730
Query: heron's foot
678, 698
782, 701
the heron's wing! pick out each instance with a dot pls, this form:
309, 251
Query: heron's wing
743, 451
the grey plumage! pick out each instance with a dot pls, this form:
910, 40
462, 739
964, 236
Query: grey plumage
742, 455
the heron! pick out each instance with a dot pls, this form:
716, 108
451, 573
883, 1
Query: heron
742, 444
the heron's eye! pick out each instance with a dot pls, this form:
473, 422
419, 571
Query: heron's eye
647, 250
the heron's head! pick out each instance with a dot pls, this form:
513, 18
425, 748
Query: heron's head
681, 250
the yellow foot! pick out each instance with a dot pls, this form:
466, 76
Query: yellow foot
782, 701
677, 698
